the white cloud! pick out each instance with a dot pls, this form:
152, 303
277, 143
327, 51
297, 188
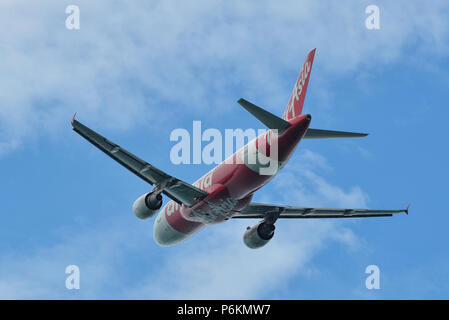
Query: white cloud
303, 186
40, 274
221, 267
132, 60
212, 264
8, 146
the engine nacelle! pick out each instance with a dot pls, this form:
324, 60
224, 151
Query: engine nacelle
258, 235
147, 205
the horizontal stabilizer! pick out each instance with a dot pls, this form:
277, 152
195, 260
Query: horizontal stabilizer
326, 134
267, 118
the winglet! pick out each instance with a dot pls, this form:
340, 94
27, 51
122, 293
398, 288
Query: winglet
406, 209
73, 119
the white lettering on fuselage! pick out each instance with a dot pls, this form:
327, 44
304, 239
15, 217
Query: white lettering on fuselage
171, 207
204, 182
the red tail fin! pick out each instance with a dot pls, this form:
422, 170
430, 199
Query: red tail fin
294, 106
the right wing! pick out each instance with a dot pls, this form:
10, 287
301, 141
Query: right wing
258, 210
179, 191
325, 134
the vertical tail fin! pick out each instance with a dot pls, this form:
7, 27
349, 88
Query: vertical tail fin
294, 106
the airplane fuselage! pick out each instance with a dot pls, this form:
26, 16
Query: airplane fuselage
226, 191
230, 185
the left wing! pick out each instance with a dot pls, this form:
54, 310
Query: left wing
258, 210
179, 191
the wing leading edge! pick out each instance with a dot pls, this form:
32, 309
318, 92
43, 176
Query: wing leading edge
176, 189
258, 210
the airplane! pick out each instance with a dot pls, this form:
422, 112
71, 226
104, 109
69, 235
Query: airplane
226, 191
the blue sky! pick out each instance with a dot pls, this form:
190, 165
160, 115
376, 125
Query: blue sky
136, 71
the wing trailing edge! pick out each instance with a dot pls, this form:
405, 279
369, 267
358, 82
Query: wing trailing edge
260, 211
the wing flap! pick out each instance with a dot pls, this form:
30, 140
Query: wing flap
258, 210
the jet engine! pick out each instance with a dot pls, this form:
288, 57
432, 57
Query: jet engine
258, 235
147, 205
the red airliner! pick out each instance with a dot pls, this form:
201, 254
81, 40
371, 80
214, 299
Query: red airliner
226, 191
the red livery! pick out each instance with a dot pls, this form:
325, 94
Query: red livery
226, 191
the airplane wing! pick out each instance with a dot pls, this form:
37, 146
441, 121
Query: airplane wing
325, 134
176, 189
258, 210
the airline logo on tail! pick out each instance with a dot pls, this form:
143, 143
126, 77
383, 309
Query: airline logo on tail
294, 106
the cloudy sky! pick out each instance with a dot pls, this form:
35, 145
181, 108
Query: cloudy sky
135, 71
